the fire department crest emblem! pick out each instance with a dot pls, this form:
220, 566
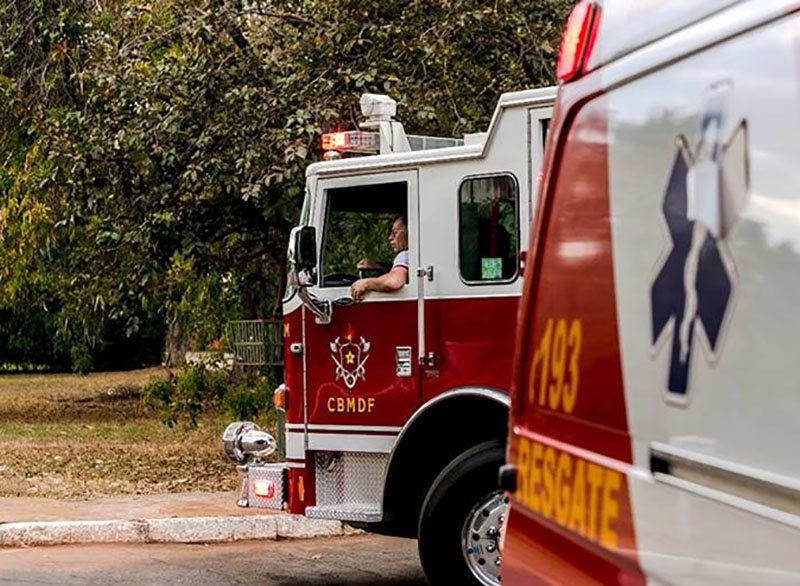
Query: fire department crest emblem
350, 355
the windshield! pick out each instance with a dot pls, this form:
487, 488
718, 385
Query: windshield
305, 214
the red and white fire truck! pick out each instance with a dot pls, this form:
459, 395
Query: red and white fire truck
654, 430
396, 407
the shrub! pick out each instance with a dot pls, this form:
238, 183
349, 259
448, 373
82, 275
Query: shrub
196, 388
248, 400
186, 394
82, 361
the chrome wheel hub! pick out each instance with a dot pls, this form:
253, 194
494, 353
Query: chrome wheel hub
480, 538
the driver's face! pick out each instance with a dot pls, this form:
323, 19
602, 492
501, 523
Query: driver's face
398, 237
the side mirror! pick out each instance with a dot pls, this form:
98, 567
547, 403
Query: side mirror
304, 251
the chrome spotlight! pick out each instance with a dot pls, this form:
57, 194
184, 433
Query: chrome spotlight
246, 443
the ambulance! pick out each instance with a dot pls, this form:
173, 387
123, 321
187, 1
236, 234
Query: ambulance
655, 421
396, 407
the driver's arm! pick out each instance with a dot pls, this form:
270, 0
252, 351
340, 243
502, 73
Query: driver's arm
391, 281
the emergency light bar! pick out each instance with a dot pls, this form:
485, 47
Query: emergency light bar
578, 40
390, 138
352, 141
358, 141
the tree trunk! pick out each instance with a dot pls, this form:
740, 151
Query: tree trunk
280, 290
176, 343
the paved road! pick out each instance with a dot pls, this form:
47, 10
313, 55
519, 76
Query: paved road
367, 560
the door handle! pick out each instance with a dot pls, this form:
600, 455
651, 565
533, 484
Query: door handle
425, 272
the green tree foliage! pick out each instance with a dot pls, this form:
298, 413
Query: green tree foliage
152, 152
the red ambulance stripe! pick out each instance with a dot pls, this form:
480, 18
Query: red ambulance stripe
570, 452
574, 277
538, 553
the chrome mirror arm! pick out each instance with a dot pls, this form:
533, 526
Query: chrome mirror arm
322, 310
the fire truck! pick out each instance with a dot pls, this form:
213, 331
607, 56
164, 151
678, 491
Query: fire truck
396, 407
654, 425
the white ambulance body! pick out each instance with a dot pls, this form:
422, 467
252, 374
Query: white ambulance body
729, 511
674, 156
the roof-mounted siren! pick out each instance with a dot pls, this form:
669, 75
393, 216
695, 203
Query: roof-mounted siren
379, 111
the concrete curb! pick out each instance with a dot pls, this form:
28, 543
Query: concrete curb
170, 530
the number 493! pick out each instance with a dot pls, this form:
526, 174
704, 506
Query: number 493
556, 362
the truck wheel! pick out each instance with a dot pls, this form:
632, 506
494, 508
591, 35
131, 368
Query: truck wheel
459, 527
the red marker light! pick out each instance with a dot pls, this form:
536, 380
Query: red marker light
279, 397
578, 40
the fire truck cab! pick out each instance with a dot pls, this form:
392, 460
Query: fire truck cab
396, 407
654, 432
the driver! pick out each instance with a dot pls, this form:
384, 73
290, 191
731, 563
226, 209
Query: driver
398, 275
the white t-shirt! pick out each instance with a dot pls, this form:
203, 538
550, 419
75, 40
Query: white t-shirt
401, 260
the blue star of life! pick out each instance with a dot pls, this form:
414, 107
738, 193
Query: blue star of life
712, 284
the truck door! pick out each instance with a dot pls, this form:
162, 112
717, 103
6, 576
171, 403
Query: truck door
471, 257
361, 380
474, 254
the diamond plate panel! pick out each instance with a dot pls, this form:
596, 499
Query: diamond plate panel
349, 486
359, 513
265, 486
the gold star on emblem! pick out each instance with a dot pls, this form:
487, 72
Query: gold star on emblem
351, 358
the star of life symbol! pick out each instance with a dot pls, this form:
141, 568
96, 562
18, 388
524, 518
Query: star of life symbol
708, 188
350, 357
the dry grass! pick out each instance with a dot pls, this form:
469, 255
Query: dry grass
82, 436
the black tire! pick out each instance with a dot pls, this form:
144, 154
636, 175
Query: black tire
466, 481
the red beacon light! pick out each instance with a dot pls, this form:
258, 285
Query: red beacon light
351, 141
578, 41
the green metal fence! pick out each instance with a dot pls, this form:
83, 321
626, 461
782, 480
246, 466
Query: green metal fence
258, 342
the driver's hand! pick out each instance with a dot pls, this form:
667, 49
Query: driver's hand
358, 289
365, 263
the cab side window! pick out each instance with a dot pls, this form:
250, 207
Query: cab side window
544, 124
488, 229
358, 221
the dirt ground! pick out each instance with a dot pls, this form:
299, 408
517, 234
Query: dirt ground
83, 436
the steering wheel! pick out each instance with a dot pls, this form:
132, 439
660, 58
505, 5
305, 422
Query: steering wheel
338, 280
